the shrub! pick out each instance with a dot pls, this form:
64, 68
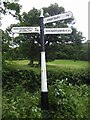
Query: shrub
72, 76
68, 94
18, 103
28, 79
68, 102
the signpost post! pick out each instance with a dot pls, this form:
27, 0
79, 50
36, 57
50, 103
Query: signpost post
42, 31
44, 91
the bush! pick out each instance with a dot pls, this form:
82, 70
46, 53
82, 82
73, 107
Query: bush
68, 102
18, 103
72, 76
28, 79
68, 94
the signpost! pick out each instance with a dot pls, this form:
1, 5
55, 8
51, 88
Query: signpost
42, 31
44, 91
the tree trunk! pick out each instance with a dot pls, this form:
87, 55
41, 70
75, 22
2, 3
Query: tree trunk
39, 62
31, 63
31, 54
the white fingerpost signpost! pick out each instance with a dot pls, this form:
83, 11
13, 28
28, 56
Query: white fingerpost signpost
44, 90
44, 31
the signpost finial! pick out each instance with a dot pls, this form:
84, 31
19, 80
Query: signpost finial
41, 13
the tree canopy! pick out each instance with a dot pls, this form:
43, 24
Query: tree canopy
29, 45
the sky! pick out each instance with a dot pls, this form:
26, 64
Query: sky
79, 8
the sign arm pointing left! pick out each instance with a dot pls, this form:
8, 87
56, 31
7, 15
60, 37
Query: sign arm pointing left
26, 29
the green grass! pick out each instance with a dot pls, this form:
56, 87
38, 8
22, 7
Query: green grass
54, 65
69, 64
22, 65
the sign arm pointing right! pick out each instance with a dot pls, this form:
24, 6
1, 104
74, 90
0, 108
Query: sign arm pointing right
58, 17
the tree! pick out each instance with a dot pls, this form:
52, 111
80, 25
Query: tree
30, 43
5, 45
75, 39
32, 19
84, 52
9, 8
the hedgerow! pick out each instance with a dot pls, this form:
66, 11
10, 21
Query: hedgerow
68, 94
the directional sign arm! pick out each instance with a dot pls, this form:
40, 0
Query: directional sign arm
58, 17
57, 30
26, 29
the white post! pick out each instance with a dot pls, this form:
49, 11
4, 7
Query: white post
43, 73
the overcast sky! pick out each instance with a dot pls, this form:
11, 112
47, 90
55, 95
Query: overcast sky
79, 8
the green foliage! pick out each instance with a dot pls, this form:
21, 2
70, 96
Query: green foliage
73, 78
68, 102
21, 95
18, 103
53, 9
29, 44
6, 39
30, 77
13, 6
65, 51
9, 7
84, 53
29, 80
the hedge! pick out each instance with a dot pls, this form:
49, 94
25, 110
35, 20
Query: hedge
68, 94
